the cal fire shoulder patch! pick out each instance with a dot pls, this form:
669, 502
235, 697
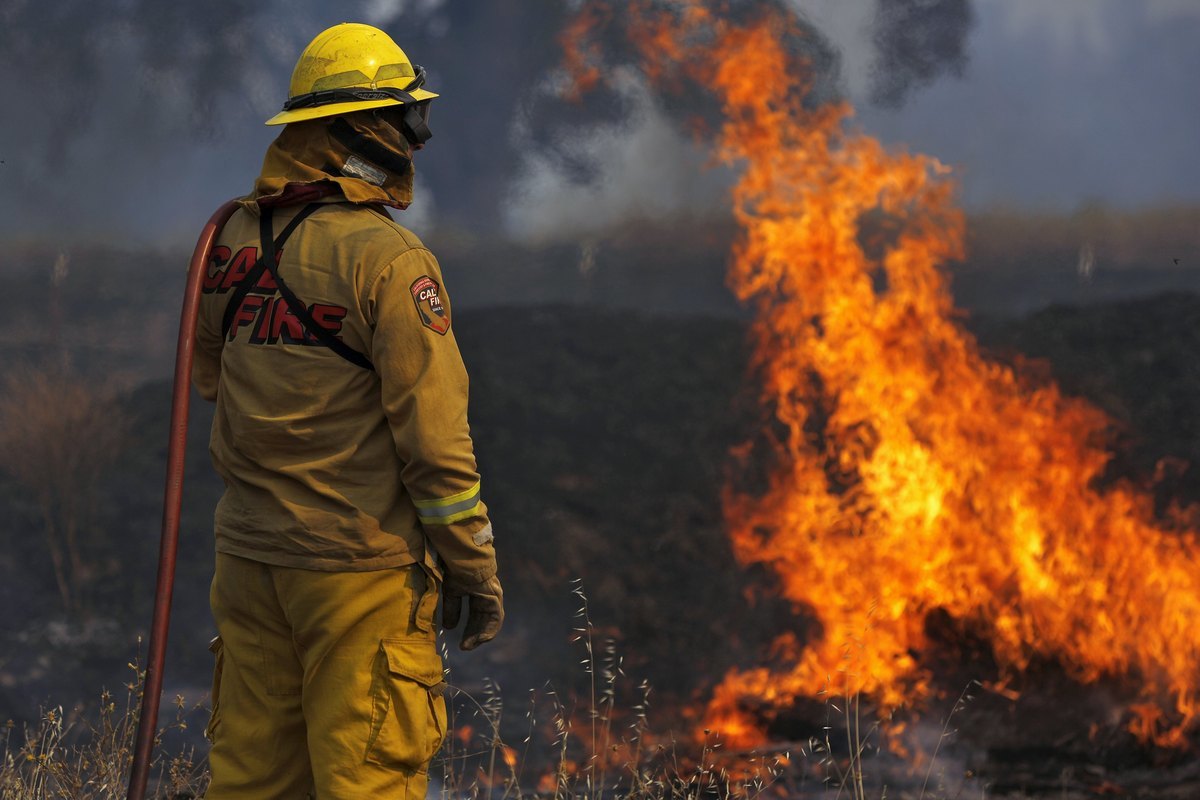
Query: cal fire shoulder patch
428, 297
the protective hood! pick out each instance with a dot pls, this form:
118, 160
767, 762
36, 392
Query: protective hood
314, 157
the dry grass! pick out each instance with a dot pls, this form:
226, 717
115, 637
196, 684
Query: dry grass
71, 757
589, 747
601, 744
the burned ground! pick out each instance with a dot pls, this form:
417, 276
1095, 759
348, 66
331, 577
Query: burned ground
603, 437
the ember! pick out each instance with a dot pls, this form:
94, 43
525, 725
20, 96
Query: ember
910, 475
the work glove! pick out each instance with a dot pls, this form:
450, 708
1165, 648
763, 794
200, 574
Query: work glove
485, 609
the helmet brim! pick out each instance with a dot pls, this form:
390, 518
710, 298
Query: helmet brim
333, 109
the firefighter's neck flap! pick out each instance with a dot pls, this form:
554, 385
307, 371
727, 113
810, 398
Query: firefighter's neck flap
368, 159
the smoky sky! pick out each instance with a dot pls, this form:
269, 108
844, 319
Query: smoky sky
916, 42
130, 107
135, 118
75, 65
1065, 105
107, 102
164, 102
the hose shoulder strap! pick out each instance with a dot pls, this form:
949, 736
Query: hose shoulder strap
266, 262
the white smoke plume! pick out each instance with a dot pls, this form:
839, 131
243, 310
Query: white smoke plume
641, 166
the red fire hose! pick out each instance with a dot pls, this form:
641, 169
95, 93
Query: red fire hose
172, 500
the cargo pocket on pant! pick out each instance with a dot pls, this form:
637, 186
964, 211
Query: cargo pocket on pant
408, 711
217, 648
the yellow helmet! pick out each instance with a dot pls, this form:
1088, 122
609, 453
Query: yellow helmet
351, 67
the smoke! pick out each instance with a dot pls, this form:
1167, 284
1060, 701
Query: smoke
600, 176
142, 115
632, 160
159, 69
626, 152
895, 48
1169, 10
116, 98
385, 12
138, 117
1093, 28
916, 42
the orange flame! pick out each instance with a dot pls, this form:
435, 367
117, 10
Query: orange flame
910, 474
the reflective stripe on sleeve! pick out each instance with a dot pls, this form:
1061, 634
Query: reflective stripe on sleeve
449, 509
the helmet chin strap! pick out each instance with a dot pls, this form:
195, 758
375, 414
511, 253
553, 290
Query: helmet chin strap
368, 148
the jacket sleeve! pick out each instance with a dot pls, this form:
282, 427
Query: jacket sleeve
424, 387
206, 356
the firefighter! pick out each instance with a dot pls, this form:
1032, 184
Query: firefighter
351, 490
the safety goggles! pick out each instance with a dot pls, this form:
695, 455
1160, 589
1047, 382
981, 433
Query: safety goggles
413, 123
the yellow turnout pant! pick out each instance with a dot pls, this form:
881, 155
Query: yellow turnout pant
327, 683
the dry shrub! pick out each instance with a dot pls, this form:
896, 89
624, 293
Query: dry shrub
59, 433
